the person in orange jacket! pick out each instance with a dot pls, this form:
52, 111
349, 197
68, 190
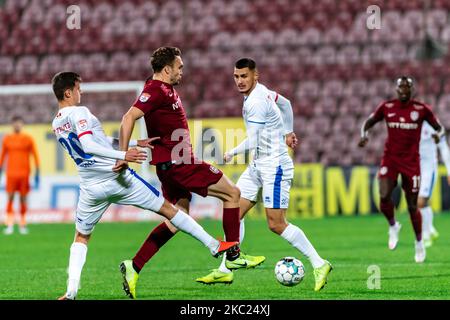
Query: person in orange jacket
16, 149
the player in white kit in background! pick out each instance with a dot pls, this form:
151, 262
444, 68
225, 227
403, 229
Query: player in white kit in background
82, 136
269, 122
429, 174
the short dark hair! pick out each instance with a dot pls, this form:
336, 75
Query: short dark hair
245, 63
409, 80
164, 56
63, 81
17, 118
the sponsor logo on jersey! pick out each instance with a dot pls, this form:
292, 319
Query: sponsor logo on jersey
176, 105
402, 125
414, 115
82, 124
144, 97
389, 105
65, 127
383, 170
390, 115
214, 169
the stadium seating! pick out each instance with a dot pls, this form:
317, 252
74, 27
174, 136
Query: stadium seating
317, 53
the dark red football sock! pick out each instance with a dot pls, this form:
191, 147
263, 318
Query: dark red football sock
416, 220
231, 223
157, 238
387, 208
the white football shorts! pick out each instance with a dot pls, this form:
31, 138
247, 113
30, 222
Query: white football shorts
275, 181
428, 176
127, 189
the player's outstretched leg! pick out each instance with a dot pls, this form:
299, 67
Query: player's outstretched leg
183, 222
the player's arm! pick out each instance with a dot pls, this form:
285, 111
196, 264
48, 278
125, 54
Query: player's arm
248, 143
92, 147
2, 157
36, 163
288, 119
127, 126
83, 128
445, 155
366, 126
440, 130
143, 143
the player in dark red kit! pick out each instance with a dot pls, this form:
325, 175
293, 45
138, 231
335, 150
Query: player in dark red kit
179, 171
404, 117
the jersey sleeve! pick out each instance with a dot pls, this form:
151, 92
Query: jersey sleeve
430, 117
3, 152
82, 121
378, 114
256, 112
149, 99
35, 153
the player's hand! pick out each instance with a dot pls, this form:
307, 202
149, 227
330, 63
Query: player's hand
436, 138
227, 157
146, 143
120, 166
291, 140
362, 142
135, 155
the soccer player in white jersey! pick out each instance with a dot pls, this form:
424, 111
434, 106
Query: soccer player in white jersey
81, 135
428, 168
269, 123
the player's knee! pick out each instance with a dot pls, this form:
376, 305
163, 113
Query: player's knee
168, 210
412, 208
385, 197
422, 203
235, 194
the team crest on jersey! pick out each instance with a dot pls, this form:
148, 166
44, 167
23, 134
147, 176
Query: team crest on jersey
383, 170
82, 124
144, 97
389, 105
214, 169
414, 115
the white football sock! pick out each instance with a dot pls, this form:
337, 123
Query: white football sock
427, 221
185, 223
296, 237
222, 266
241, 231
77, 259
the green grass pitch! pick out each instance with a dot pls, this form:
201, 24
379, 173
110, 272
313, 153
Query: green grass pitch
34, 266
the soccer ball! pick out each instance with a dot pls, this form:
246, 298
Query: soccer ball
289, 271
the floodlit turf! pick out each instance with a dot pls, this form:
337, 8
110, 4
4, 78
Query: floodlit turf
34, 266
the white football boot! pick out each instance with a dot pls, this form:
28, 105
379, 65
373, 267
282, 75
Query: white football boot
393, 235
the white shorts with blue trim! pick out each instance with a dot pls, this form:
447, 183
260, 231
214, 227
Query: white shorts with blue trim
127, 189
428, 176
275, 181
